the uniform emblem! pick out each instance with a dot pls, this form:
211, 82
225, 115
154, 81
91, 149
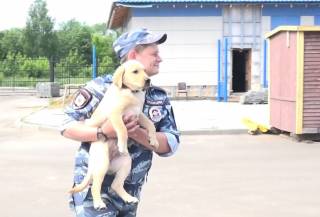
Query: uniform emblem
155, 113
81, 99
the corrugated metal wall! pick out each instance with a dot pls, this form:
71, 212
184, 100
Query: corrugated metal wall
311, 103
242, 26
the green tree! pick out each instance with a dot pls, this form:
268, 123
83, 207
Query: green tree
11, 42
76, 37
105, 54
3, 50
9, 66
40, 37
74, 62
99, 28
34, 68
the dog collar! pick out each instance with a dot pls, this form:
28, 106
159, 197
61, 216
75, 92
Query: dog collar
126, 87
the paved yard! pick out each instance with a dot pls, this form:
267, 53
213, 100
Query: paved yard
218, 175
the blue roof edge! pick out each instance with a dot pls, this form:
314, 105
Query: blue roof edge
214, 1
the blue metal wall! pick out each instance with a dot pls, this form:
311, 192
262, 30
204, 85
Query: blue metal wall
317, 20
285, 15
284, 20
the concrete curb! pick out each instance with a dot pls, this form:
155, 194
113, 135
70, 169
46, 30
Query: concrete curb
41, 127
24, 123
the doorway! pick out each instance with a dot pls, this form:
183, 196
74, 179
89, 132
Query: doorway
241, 70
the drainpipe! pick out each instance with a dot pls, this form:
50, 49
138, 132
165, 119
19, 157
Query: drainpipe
225, 70
219, 72
265, 82
94, 62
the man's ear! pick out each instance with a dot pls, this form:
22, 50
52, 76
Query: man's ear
118, 76
131, 54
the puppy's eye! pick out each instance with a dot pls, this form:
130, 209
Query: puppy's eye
135, 71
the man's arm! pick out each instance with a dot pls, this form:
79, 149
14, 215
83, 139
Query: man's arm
140, 135
81, 132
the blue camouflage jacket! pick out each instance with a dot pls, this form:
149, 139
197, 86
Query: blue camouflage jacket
157, 107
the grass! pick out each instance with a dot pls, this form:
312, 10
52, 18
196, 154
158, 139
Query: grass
31, 82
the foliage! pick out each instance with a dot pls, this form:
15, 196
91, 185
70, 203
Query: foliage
105, 54
76, 65
40, 38
22, 66
99, 28
25, 53
11, 42
34, 68
8, 67
75, 37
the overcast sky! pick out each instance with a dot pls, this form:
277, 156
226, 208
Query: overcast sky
14, 13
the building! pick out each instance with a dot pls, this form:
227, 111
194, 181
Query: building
216, 47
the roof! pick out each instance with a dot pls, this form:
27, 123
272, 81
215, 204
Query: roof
119, 12
292, 29
212, 1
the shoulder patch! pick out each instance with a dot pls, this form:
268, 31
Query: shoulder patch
155, 113
81, 99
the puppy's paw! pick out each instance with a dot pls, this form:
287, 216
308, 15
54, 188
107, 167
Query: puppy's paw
99, 205
154, 142
122, 149
130, 199
118, 189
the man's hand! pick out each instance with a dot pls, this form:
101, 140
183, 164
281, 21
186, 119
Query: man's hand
130, 121
136, 133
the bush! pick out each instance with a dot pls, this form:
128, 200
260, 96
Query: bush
34, 68
21, 66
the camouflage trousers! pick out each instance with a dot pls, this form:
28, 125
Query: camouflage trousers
115, 206
82, 203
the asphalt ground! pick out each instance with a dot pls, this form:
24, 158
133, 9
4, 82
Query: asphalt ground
223, 175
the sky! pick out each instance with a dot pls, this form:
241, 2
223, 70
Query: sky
14, 13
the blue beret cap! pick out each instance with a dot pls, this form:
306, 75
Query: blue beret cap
129, 40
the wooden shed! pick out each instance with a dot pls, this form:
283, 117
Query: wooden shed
294, 76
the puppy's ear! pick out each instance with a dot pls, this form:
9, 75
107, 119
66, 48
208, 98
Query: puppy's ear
118, 76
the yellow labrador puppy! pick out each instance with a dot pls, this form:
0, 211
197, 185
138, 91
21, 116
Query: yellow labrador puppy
125, 95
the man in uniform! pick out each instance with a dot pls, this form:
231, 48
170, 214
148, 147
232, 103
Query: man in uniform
141, 45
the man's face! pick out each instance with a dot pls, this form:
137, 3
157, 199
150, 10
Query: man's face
150, 58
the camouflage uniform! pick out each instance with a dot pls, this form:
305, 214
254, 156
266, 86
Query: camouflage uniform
157, 107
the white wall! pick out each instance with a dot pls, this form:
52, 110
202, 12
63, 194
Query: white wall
190, 52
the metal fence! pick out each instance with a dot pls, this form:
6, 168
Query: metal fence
27, 73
